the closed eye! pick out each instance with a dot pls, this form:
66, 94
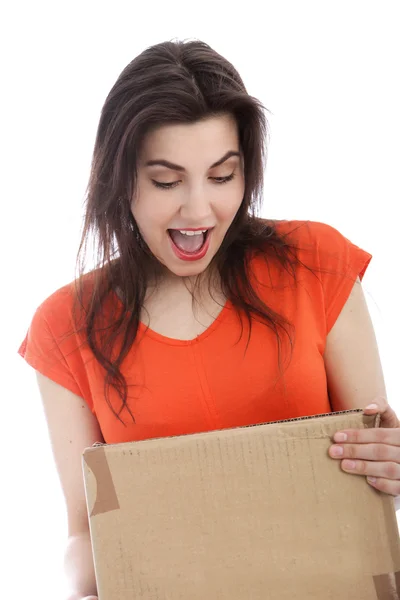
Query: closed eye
168, 186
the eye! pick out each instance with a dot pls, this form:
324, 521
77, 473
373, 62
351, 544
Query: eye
168, 186
164, 186
224, 179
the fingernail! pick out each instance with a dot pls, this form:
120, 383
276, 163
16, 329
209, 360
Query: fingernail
340, 437
349, 464
371, 479
337, 451
371, 407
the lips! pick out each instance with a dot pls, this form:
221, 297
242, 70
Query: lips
190, 244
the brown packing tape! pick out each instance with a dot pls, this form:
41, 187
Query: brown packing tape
106, 496
387, 586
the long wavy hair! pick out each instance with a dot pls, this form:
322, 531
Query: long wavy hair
171, 82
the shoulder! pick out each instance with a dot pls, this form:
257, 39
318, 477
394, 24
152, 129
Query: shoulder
53, 330
57, 302
53, 345
56, 312
300, 238
336, 261
57, 305
298, 233
322, 246
317, 252
310, 234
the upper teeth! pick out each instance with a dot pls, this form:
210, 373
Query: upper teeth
184, 232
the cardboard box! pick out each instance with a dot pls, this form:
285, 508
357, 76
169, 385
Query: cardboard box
253, 513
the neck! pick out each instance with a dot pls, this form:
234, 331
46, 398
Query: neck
199, 286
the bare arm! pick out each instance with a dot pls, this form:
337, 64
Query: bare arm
352, 362
72, 428
78, 565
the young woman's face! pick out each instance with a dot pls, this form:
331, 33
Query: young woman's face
183, 210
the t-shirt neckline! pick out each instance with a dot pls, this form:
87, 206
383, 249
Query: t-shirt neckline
147, 331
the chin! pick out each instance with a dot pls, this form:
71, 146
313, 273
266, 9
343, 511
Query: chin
184, 268
188, 270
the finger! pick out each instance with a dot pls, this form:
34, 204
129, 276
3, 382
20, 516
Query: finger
388, 417
383, 452
368, 436
376, 407
388, 486
387, 470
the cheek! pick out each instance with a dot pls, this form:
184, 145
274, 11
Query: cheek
227, 207
150, 213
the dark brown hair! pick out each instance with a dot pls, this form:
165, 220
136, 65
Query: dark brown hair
171, 82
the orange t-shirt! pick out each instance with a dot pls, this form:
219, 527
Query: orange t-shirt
219, 379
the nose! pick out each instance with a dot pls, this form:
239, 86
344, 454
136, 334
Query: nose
196, 208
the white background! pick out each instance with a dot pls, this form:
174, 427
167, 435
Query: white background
328, 71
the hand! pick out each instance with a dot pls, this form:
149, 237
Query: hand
373, 452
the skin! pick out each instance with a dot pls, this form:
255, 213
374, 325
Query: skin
356, 380
196, 200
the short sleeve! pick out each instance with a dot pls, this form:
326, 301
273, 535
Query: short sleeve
51, 348
340, 263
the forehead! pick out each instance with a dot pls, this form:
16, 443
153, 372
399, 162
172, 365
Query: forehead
210, 137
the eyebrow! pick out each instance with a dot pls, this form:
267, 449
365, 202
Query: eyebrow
169, 165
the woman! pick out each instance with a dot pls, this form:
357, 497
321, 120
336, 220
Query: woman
199, 315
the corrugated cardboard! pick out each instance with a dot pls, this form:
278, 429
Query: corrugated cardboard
253, 513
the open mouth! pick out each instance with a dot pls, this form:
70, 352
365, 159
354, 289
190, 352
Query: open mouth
190, 244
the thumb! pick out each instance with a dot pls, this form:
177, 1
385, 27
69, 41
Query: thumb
388, 416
